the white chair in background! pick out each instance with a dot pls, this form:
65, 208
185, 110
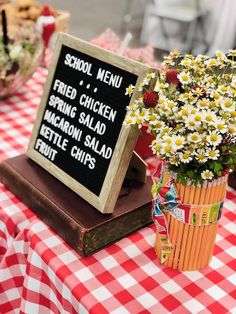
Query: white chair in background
174, 24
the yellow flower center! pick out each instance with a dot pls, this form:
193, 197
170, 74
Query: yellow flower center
212, 62
185, 156
194, 137
149, 75
185, 77
223, 89
157, 148
152, 117
178, 142
233, 114
228, 104
231, 130
224, 115
212, 104
216, 96
212, 153
168, 140
220, 126
200, 156
198, 118
167, 148
128, 121
171, 105
209, 118
203, 103
214, 137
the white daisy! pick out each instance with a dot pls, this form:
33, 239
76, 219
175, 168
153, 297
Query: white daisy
203, 103
190, 122
185, 157
151, 75
160, 86
227, 104
209, 116
223, 89
184, 78
201, 156
207, 175
214, 139
213, 153
146, 81
152, 119
129, 90
178, 142
220, 126
174, 160
232, 130
194, 137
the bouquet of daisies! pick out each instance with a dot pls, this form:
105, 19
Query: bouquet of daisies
190, 108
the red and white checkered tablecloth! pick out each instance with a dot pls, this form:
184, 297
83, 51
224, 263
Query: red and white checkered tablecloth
40, 273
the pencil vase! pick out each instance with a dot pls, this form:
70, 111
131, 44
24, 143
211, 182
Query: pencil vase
191, 226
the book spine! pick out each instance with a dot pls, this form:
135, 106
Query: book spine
116, 229
45, 209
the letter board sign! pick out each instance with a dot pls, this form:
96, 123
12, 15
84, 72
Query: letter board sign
79, 135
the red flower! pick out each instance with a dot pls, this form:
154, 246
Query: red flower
150, 99
172, 77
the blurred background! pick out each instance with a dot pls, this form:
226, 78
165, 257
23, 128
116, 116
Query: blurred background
197, 26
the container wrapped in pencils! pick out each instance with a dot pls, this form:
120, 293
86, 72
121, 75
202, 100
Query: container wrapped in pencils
186, 217
189, 107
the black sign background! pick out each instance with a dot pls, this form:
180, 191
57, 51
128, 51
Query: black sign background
113, 97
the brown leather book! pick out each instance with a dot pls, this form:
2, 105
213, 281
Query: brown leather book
82, 226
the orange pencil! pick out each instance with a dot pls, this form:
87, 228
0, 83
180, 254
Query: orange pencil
185, 230
178, 236
190, 230
195, 229
178, 245
211, 249
158, 246
173, 238
218, 189
203, 193
208, 230
203, 231
222, 189
198, 250
197, 253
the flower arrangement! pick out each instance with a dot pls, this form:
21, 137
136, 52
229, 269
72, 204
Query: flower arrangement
190, 108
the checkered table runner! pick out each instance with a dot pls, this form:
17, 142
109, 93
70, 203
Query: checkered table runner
40, 273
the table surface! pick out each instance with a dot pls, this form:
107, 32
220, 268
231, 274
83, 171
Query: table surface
40, 273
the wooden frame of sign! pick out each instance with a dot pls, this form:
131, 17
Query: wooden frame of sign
86, 85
